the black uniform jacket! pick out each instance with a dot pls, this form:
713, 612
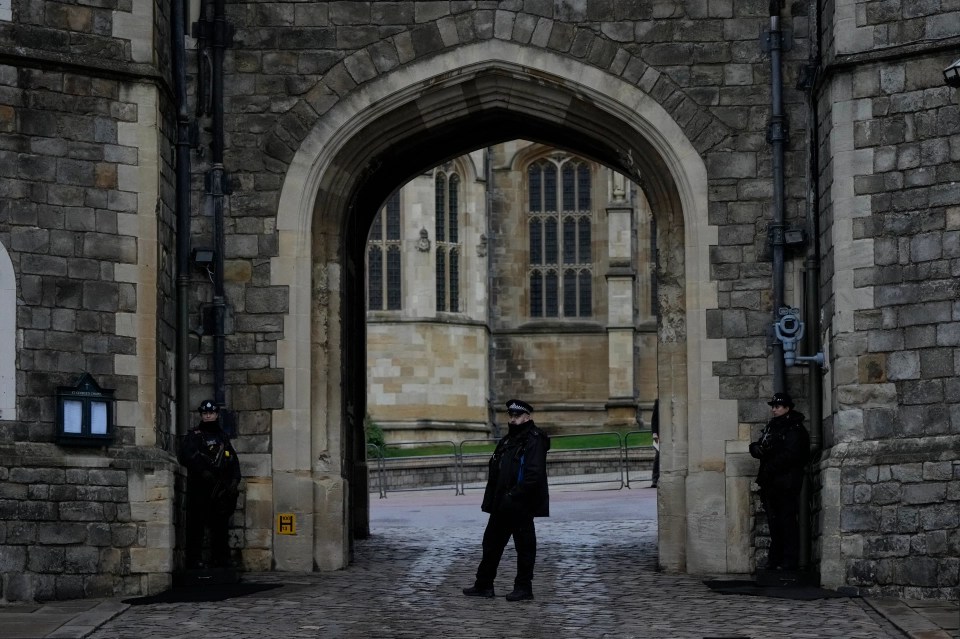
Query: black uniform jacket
783, 450
518, 473
214, 470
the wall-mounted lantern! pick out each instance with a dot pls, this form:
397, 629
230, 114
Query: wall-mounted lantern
951, 75
84, 414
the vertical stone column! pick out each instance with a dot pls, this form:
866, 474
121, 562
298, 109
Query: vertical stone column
620, 276
847, 392
284, 478
152, 505
646, 318
134, 198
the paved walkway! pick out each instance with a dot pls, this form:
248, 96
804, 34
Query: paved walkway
595, 577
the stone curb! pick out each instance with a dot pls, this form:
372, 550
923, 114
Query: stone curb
910, 622
86, 622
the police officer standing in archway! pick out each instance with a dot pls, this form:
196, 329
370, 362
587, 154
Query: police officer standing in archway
213, 480
516, 492
783, 450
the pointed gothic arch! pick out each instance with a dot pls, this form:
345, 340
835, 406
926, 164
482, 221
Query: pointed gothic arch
376, 138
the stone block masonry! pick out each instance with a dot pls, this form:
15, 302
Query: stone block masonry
83, 526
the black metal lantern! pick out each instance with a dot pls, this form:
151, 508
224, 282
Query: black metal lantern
84, 414
951, 75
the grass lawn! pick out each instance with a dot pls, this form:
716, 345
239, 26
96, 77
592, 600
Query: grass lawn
634, 439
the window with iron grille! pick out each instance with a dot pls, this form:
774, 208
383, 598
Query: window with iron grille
447, 233
559, 221
383, 258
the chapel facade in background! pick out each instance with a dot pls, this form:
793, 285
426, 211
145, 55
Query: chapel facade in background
517, 270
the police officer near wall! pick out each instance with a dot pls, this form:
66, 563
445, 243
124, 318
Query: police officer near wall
516, 492
213, 482
783, 450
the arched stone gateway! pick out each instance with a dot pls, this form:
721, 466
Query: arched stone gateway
329, 105
376, 137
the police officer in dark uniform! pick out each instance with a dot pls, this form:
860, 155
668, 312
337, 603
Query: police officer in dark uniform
212, 487
516, 492
783, 450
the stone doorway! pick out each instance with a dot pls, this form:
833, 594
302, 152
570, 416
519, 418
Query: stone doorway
376, 138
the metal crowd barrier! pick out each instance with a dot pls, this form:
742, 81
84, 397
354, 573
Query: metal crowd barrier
453, 454
381, 473
626, 451
458, 455
587, 478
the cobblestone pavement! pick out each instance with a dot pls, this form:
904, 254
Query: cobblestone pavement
596, 577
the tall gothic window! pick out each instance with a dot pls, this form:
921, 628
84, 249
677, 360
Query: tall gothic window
446, 192
383, 258
559, 222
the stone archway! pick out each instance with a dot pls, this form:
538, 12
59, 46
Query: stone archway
416, 116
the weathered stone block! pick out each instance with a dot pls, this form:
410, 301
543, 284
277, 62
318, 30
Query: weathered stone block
948, 334
97, 534
872, 368
945, 516
877, 546
45, 559
13, 559
936, 363
81, 559
924, 391
37, 475
908, 520
887, 493
859, 518
64, 533
43, 265
123, 535
266, 300
917, 571
903, 365
732, 165
925, 493
81, 511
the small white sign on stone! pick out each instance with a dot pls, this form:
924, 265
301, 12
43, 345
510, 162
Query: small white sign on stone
6, 11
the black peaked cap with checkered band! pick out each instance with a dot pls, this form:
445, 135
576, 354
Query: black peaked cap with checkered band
518, 405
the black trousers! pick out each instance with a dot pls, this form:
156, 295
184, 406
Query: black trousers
500, 527
782, 504
204, 515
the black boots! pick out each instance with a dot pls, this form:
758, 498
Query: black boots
520, 594
476, 591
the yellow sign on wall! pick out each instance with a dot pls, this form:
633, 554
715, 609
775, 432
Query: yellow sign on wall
286, 524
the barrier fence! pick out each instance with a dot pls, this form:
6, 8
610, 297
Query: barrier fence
465, 465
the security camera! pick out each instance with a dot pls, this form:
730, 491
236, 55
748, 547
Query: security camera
789, 328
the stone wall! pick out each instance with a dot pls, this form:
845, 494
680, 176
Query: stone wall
85, 217
890, 517
94, 525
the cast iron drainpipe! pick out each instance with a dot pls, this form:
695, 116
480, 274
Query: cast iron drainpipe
217, 177
777, 136
178, 30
